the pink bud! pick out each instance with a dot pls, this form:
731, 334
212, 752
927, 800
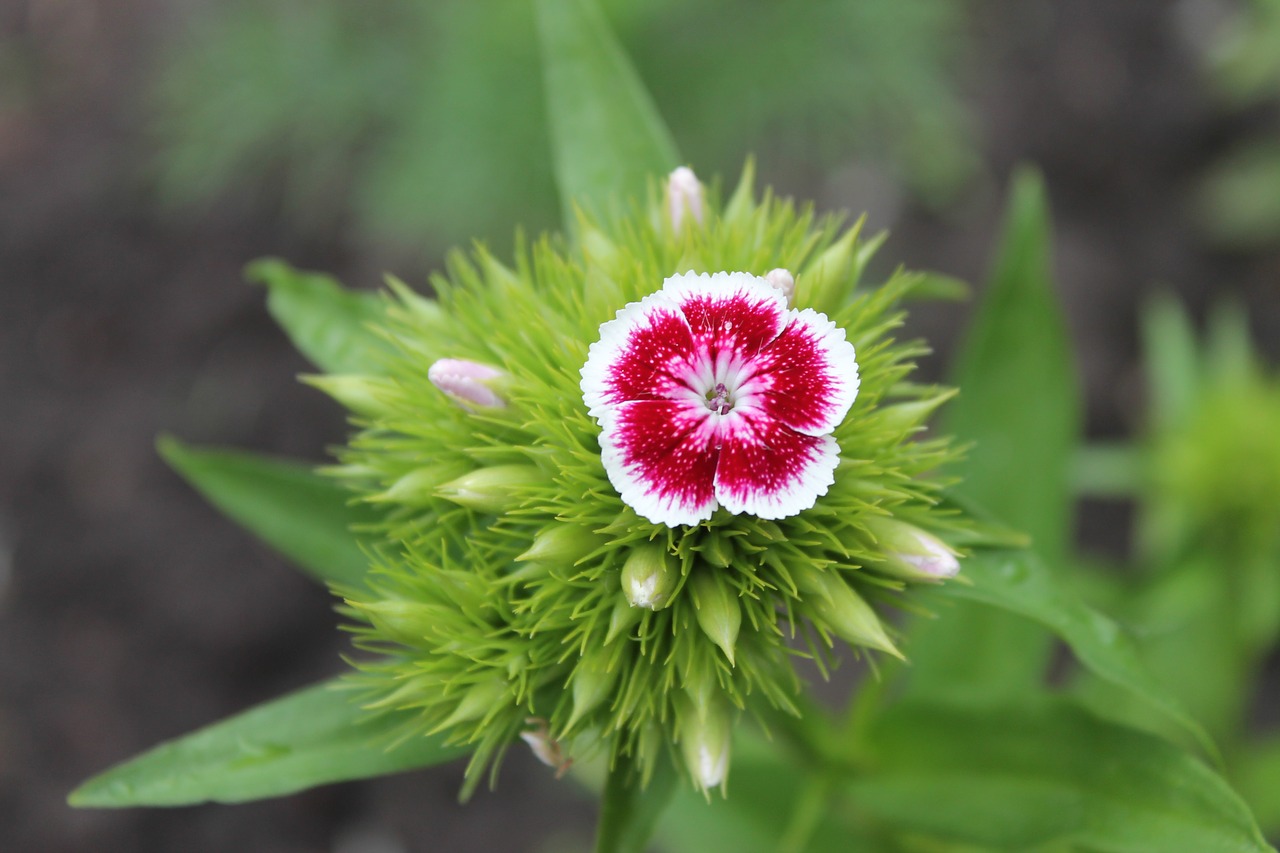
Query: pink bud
684, 194
783, 282
467, 382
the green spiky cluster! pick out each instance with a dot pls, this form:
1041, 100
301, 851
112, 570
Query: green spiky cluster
496, 595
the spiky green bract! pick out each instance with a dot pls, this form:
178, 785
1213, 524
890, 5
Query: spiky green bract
497, 595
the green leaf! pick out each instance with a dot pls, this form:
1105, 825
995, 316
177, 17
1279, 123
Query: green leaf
326, 322
1019, 405
1015, 777
1107, 471
1258, 778
1019, 582
304, 516
766, 791
629, 813
607, 138
313, 737
1169, 351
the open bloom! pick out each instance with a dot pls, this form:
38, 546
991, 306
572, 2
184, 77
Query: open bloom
711, 392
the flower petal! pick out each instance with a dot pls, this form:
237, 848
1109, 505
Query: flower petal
661, 457
643, 354
769, 470
728, 311
807, 378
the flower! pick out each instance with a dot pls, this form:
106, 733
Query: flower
711, 393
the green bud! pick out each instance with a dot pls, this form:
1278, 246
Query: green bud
363, 395
624, 616
650, 575
420, 484
405, 622
910, 553
718, 612
832, 601
717, 551
705, 741
491, 489
561, 543
593, 681
478, 700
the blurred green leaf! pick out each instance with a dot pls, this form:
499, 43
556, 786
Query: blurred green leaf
1239, 199
607, 138
1019, 582
629, 813
1017, 776
326, 322
938, 287
1169, 352
313, 737
1019, 405
1258, 779
304, 516
1106, 471
765, 789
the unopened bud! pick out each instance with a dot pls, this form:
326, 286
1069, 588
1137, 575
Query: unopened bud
406, 622
624, 616
491, 489
705, 742
783, 282
649, 576
684, 196
562, 544
832, 601
478, 700
469, 383
592, 683
718, 612
910, 553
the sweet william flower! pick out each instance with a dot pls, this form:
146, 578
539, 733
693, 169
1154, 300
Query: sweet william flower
711, 392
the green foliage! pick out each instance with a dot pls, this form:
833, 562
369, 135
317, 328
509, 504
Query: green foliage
629, 811
425, 120
1239, 196
306, 517
1019, 404
312, 737
607, 138
1019, 776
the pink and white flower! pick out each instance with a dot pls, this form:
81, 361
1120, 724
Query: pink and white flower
711, 392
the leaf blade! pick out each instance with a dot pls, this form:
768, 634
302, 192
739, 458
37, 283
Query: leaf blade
1019, 405
315, 736
607, 137
305, 517
1045, 771
326, 322
1019, 582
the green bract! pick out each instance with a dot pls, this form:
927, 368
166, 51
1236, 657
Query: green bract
496, 602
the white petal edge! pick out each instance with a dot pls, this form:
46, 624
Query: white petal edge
815, 479
631, 488
722, 284
842, 362
614, 337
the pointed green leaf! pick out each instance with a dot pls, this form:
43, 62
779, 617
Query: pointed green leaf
1019, 582
607, 137
304, 516
1016, 777
629, 813
1019, 405
1259, 781
313, 737
1169, 352
327, 323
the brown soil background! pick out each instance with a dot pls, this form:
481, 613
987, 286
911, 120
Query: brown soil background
131, 612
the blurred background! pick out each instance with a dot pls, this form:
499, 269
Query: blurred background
149, 149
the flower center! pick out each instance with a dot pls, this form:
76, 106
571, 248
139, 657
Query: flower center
719, 399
